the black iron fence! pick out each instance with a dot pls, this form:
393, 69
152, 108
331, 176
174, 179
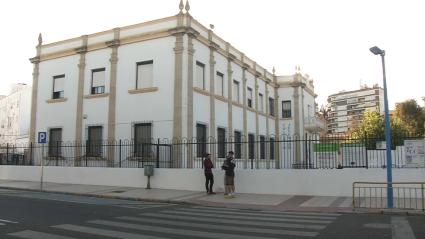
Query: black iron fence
307, 152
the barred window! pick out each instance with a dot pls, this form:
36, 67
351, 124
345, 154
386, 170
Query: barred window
94, 142
142, 140
201, 139
55, 141
221, 142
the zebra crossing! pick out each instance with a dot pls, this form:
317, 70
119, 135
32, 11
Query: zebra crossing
192, 222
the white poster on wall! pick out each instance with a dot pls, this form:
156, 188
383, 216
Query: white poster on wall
415, 153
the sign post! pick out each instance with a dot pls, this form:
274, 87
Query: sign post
42, 139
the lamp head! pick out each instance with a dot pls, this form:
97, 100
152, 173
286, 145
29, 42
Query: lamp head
377, 51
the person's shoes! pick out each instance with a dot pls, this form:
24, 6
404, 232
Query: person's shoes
227, 196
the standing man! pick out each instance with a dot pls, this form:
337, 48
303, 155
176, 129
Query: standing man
229, 176
209, 177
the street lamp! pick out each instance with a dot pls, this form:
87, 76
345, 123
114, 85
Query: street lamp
377, 51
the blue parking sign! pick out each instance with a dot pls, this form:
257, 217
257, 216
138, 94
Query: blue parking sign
42, 137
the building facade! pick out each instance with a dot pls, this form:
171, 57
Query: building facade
347, 108
15, 115
168, 78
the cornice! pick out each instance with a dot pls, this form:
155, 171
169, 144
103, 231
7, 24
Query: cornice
113, 43
35, 60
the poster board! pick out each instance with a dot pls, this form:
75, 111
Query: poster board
415, 153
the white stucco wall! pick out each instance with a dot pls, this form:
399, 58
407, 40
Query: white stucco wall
289, 182
154, 107
63, 112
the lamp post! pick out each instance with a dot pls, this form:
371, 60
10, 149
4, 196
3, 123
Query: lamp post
377, 51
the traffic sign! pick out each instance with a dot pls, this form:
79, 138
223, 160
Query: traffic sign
42, 137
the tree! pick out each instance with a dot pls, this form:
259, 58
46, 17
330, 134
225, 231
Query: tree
412, 115
372, 129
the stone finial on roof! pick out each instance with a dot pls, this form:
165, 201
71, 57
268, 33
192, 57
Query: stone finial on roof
274, 70
40, 39
187, 7
181, 6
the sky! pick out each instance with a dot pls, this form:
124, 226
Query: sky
329, 39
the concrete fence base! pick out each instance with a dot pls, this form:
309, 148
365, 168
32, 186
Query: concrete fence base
272, 181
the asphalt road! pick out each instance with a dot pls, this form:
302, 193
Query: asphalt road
38, 215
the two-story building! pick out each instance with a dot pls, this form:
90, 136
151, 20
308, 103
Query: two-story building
168, 78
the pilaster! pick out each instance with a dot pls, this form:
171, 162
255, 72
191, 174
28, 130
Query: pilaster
35, 61
80, 94
190, 63
245, 120
276, 117
212, 93
114, 44
230, 97
257, 135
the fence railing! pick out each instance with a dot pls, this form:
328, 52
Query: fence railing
373, 195
263, 152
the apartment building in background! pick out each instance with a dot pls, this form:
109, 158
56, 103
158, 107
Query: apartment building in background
347, 108
15, 111
167, 78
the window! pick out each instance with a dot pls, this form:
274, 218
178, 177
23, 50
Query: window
144, 74
236, 91
249, 97
94, 141
221, 142
201, 140
142, 140
58, 86
251, 143
271, 148
200, 75
262, 147
238, 144
260, 103
271, 106
286, 109
98, 81
55, 141
219, 86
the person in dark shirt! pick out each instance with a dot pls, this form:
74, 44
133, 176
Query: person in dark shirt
229, 175
209, 177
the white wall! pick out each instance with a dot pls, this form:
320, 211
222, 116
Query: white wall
64, 112
289, 182
155, 107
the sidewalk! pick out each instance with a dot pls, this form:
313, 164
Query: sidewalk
246, 201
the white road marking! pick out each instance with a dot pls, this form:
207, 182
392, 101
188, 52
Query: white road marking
247, 218
271, 212
104, 232
235, 222
227, 227
3, 220
208, 211
28, 234
401, 228
176, 231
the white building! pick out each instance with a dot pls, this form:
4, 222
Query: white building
167, 78
15, 111
298, 106
347, 107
